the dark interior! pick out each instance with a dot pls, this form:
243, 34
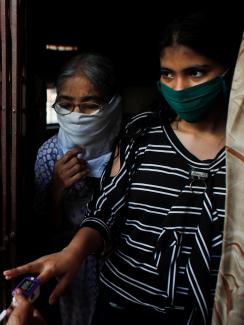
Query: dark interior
128, 33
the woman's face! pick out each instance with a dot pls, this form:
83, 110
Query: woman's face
78, 95
181, 67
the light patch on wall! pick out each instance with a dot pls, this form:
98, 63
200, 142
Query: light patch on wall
55, 47
51, 115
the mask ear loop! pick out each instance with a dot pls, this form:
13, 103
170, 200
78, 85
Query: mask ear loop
225, 72
225, 87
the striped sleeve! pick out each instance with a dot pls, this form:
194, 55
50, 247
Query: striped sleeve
106, 209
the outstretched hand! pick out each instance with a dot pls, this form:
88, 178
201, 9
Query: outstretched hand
62, 266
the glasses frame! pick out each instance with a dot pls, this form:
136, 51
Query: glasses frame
99, 107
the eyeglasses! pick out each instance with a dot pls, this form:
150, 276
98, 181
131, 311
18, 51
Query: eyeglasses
65, 107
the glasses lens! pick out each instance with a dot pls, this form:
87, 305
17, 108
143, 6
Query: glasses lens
61, 109
89, 108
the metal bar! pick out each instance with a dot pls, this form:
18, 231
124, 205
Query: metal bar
5, 119
15, 120
5, 145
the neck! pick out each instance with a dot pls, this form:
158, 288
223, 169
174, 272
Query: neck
214, 123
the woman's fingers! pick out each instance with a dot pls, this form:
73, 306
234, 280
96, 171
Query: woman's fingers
37, 318
33, 267
71, 154
46, 275
22, 311
59, 289
69, 169
44, 267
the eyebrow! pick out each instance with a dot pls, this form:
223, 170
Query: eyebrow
195, 66
83, 98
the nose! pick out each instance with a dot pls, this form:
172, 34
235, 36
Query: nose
180, 83
76, 108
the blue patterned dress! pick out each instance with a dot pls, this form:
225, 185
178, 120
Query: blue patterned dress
78, 302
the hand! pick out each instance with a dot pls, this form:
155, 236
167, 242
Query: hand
62, 266
24, 312
69, 169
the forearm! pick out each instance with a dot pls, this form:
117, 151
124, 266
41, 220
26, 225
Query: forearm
86, 241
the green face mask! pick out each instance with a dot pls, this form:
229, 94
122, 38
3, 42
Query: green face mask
193, 103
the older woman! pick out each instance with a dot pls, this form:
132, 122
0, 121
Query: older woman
69, 165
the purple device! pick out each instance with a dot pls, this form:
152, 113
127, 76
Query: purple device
30, 287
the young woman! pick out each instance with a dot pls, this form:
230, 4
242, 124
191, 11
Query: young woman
159, 212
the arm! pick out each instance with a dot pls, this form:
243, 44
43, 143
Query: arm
95, 228
67, 171
107, 210
53, 175
64, 264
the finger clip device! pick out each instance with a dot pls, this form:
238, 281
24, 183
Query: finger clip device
30, 288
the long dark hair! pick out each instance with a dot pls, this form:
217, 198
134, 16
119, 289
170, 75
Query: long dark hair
207, 33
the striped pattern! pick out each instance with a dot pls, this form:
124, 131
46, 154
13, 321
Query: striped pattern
166, 226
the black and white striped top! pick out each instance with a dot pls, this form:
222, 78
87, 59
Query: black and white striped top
164, 212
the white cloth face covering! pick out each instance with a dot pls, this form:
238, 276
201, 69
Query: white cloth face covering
94, 133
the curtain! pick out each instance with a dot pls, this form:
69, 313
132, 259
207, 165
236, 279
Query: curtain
229, 296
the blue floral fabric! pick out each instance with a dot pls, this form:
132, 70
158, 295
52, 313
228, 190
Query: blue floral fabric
78, 303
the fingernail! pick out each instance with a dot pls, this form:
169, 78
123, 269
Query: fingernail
51, 300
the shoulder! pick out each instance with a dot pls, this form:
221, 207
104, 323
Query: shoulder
50, 143
136, 132
49, 147
141, 122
